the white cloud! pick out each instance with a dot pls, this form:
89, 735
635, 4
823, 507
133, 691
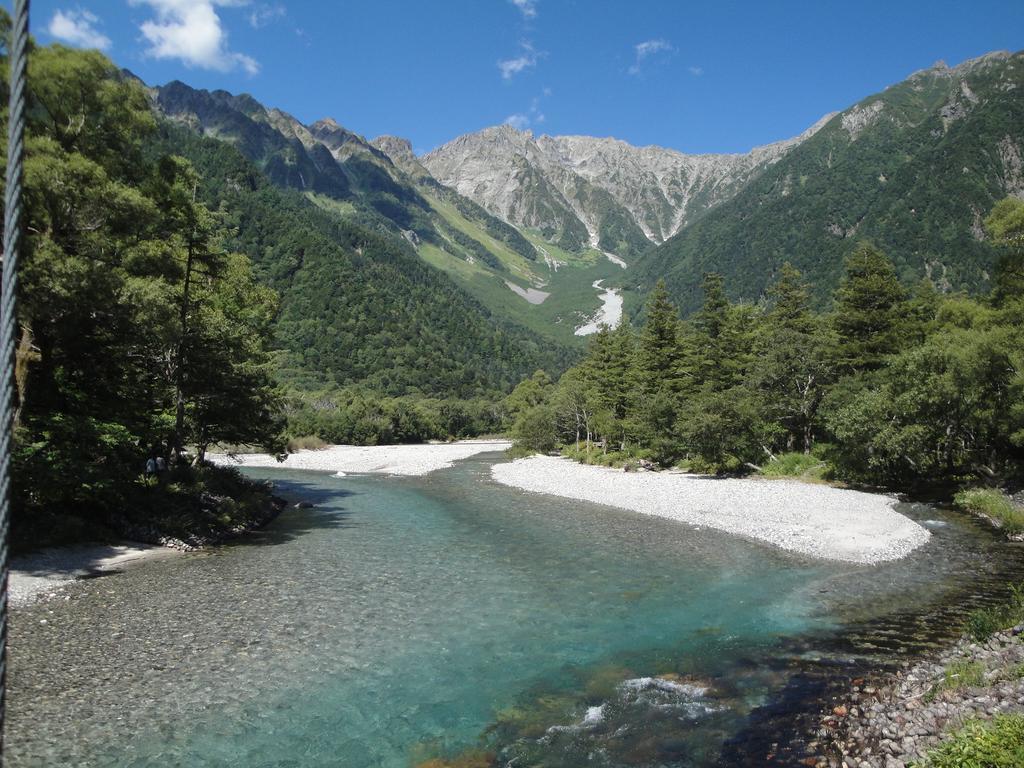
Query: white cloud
78, 28
191, 30
527, 7
519, 121
265, 14
647, 49
526, 60
696, 71
533, 116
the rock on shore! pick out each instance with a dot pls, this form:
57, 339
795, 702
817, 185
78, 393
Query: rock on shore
893, 723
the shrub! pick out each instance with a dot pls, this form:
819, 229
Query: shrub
993, 504
985, 622
306, 443
800, 465
535, 429
998, 744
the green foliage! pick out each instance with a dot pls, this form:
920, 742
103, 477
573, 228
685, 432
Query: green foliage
942, 409
658, 351
963, 674
535, 429
905, 391
801, 465
868, 311
529, 393
141, 330
357, 416
996, 744
993, 504
724, 431
1006, 226
985, 622
899, 181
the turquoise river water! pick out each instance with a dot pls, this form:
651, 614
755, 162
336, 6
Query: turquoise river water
444, 620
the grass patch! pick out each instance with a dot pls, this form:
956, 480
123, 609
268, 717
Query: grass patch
996, 744
1014, 672
993, 504
958, 675
963, 674
630, 459
985, 622
800, 465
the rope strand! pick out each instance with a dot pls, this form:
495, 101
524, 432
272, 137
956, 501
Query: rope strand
18, 55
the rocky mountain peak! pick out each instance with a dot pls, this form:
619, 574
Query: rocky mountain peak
395, 147
624, 196
326, 124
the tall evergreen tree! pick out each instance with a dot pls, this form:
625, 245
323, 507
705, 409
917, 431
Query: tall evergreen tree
870, 310
790, 300
792, 368
658, 346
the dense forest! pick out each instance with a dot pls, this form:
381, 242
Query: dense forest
141, 332
357, 306
894, 386
173, 298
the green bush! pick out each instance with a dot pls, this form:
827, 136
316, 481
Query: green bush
994, 504
601, 457
535, 430
802, 465
998, 744
985, 622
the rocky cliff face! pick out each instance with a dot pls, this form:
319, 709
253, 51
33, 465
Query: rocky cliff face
623, 197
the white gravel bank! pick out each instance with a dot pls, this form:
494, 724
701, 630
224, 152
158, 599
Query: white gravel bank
378, 459
815, 520
39, 575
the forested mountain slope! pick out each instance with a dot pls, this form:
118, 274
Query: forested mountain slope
357, 306
382, 186
915, 169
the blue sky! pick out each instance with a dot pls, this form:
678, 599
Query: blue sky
698, 77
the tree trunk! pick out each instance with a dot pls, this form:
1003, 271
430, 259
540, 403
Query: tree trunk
24, 354
179, 372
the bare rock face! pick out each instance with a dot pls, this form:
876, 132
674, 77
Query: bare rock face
400, 152
541, 182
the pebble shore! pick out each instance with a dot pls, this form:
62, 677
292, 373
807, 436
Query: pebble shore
895, 721
810, 519
409, 460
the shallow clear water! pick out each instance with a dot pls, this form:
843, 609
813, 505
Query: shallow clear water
406, 619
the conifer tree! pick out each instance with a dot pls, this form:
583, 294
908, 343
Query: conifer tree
870, 311
790, 297
658, 346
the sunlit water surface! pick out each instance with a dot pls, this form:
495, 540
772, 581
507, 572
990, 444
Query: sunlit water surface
402, 620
